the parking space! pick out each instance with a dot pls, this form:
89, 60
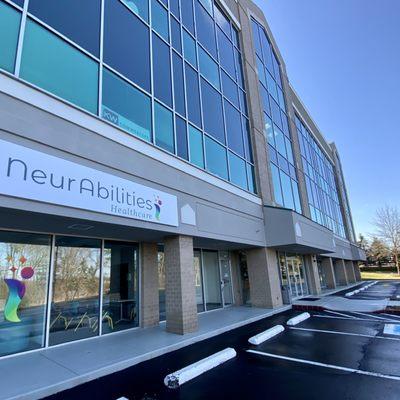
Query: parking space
331, 355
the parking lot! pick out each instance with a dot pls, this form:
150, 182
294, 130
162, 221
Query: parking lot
331, 355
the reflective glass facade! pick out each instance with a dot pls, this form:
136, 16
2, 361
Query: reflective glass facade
320, 181
158, 70
284, 174
59, 289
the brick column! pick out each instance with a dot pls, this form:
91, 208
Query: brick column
149, 301
180, 292
350, 271
357, 272
265, 290
340, 272
313, 274
327, 266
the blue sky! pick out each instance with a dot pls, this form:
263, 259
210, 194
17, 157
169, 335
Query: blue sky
343, 59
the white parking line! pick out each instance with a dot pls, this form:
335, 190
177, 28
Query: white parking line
373, 316
344, 315
331, 366
344, 333
349, 319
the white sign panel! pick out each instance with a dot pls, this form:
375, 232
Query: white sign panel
38, 176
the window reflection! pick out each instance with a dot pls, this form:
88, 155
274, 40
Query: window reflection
24, 268
75, 302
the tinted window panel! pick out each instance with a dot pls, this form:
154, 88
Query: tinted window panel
207, 4
205, 29
159, 19
251, 179
187, 15
162, 71
52, 64
9, 31
179, 91
239, 69
209, 68
181, 138
238, 171
222, 21
247, 140
163, 127
193, 95
19, 2
176, 35
226, 54
126, 106
216, 158
212, 111
189, 48
174, 7
196, 147
71, 19
287, 191
234, 129
243, 102
126, 40
277, 185
230, 89
139, 7
276, 113
256, 38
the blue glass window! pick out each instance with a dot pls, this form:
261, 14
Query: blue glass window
212, 111
139, 7
125, 106
176, 35
287, 191
234, 129
216, 158
71, 19
189, 49
181, 138
205, 30
179, 91
54, 65
193, 95
239, 69
251, 178
222, 21
126, 41
207, 5
9, 30
238, 170
163, 127
196, 147
247, 141
187, 15
256, 38
277, 185
226, 54
174, 7
159, 19
230, 89
243, 102
209, 68
19, 2
162, 71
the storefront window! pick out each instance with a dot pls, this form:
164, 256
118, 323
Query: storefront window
24, 271
120, 287
76, 282
198, 281
161, 282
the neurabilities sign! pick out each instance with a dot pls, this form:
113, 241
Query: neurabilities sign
34, 175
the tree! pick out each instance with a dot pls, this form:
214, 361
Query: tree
387, 223
378, 252
362, 242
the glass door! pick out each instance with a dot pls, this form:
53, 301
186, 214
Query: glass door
226, 278
198, 280
212, 282
75, 304
120, 287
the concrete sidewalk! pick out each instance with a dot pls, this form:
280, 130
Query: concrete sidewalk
45, 372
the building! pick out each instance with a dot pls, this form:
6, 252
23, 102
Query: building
155, 164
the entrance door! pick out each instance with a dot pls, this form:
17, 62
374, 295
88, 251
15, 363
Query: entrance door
293, 274
226, 278
212, 280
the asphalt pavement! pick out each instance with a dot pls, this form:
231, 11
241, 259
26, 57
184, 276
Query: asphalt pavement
331, 355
